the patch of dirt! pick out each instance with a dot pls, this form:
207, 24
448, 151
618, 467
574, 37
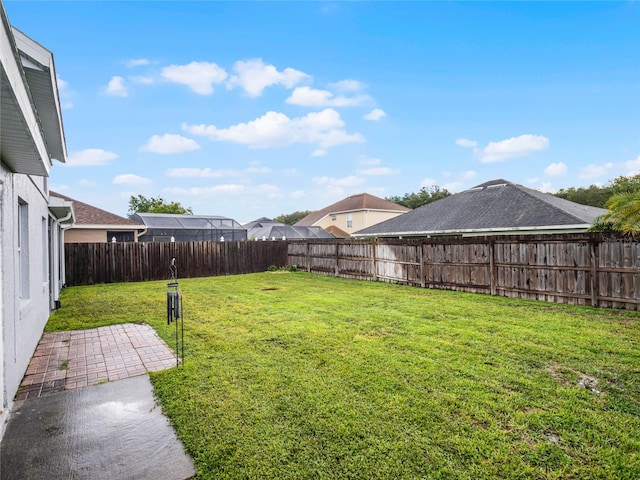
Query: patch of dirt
267, 289
570, 377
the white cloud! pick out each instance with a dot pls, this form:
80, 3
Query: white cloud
374, 171
84, 182
545, 187
364, 161
428, 182
513, 147
468, 174
463, 142
200, 77
66, 102
595, 171
556, 169
266, 190
350, 181
116, 87
375, 114
348, 86
169, 143
633, 166
137, 62
253, 76
90, 157
210, 173
298, 194
131, 179
311, 97
319, 152
273, 129
452, 186
142, 80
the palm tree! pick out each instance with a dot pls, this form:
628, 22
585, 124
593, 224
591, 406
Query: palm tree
623, 215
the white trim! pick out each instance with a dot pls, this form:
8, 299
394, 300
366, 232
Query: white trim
108, 227
579, 228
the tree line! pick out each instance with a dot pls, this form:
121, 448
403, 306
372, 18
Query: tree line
621, 196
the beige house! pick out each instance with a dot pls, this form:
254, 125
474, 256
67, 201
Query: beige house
94, 225
352, 214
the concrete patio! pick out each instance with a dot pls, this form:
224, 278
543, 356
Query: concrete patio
86, 410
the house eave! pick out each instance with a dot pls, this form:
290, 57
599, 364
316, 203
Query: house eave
62, 210
117, 227
38, 65
580, 228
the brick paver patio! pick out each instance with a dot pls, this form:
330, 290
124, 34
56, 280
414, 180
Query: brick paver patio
78, 358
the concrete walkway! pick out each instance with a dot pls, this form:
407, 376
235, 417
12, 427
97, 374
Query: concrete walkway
110, 429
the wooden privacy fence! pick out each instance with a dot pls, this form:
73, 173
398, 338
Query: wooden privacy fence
579, 269
91, 263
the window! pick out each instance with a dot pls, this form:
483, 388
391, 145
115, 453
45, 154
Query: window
349, 220
333, 218
23, 248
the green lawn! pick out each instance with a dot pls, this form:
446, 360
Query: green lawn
290, 375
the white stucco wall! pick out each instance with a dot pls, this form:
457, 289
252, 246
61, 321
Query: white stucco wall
22, 320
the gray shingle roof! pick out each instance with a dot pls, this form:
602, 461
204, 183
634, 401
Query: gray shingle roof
491, 206
265, 227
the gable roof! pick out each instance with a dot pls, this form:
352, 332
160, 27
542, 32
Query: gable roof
89, 216
353, 203
497, 206
31, 131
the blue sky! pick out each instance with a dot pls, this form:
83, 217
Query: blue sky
251, 109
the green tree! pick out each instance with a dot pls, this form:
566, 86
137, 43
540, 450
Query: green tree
421, 197
292, 218
142, 204
623, 215
597, 196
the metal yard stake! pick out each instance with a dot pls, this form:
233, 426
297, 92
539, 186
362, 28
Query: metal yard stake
174, 309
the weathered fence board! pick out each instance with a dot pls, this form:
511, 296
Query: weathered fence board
92, 263
577, 269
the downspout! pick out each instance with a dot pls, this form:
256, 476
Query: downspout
139, 234
59, 264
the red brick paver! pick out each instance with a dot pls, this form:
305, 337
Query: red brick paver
75, 359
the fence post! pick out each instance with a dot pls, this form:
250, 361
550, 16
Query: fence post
423, 279
308, 259
374, 245
594, 258
492, 266
337, 270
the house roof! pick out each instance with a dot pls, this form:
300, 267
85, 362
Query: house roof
186, 222
267, 228
89, 216
31, 132
353, 203
497, 206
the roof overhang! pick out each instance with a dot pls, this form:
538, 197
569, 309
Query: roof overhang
482, 232
62, 210
109, 227
31, 132
38, 66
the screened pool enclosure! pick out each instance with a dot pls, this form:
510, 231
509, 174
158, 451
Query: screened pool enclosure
164, 227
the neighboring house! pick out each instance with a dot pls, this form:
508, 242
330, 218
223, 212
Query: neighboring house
94, 225
352, 214
267, 229
167, 227
31, 262
498, 207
